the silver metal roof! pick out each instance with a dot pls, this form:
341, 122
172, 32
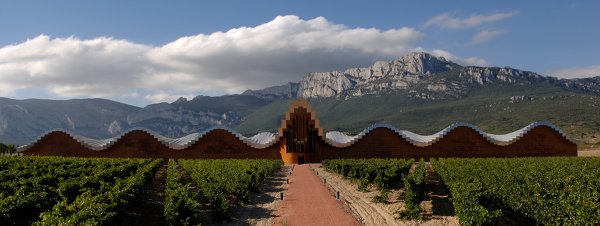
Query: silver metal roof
260, 140
339, 139
334, 138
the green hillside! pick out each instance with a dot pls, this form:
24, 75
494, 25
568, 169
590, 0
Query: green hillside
490, 108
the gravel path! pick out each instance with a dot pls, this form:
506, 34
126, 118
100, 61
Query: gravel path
376, 214
262, 205
308, 202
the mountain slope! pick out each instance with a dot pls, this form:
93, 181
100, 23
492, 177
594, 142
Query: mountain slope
419, 92
422, 75
289, 90
424, 93
497, 109
183, 117
23, 120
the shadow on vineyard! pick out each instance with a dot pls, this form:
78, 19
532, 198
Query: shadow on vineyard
270, 185
150, 210
437, 193
261, 200
219, 191
506, 215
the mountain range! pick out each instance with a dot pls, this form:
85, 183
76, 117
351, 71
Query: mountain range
418, 91
423, 75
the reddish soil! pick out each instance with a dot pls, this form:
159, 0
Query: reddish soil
308, 202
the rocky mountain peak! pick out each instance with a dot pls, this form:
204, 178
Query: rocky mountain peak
288, 90
382, 76
419, 74
181, 100
424, 63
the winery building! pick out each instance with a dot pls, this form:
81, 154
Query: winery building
301, 139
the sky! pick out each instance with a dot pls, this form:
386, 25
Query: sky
143, 52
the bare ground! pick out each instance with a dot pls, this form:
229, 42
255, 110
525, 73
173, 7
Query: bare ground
150, 211
436, 210
262, 205
589, 153
437, 207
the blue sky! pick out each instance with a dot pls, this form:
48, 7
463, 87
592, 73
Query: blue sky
142, 52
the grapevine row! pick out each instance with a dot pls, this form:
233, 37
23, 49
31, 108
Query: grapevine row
384, 173
33, 185
104, 205
181, 202
549, 191
414, 185
222, 183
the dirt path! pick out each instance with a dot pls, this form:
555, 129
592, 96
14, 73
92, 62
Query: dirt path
262, 206
588, 153
437, 206
151, 210
308, 202
370, 213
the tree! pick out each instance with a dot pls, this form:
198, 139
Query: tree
11, 149
7, 149
3, 148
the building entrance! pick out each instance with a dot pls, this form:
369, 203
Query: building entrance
301, 135
300, 159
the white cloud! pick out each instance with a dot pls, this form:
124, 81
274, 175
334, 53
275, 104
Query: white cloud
582, 72
449, 21
232, 61
279, 51
468, 61
100, 67
485, 35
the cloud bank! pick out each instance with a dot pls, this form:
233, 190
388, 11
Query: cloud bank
468, 61
449, 21
485, 35
582, 72
226, 62
232, 61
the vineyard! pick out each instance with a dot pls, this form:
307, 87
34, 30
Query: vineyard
548, 191
215, 186
100, 191
384, 173
70, 191
88, 191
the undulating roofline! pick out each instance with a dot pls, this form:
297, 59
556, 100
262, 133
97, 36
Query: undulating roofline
259, 141
338, 139
333, 138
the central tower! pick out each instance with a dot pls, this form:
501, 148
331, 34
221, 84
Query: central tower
300, 134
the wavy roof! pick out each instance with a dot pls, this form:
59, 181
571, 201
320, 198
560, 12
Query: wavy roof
338, 139
334, 138
260, 140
